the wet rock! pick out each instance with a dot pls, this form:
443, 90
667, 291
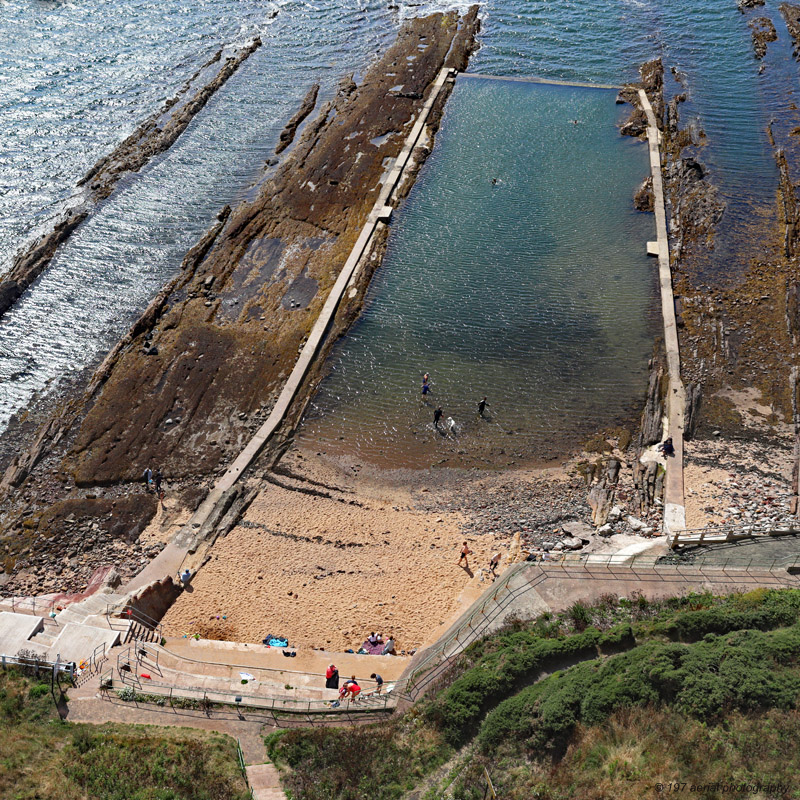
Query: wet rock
763, 32
644, 199
306, 107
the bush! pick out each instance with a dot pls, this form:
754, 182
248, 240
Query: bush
458, 708
744, 671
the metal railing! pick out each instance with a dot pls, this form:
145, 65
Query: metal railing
122, 612
28, 605
205, 698
66, 667
731, 532
243, 767
489, 607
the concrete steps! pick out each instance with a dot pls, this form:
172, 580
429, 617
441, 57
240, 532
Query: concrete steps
44, 638
265, 782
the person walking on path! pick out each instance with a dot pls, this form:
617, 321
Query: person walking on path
147, 477
332, 677
378, 682
437, 415
465, 551
157, 478
482, 407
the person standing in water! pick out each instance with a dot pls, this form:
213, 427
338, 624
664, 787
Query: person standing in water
482, 406
437, 415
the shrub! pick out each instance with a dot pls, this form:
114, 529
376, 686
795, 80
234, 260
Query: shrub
745, 671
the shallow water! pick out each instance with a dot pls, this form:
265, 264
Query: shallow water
77, 79
517, 270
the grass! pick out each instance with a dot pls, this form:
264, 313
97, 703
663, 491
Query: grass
698, 671
43, 757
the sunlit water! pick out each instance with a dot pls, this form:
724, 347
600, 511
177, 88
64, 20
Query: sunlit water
517, 270
78, 78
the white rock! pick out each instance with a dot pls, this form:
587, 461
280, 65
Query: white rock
615, 513
635, 523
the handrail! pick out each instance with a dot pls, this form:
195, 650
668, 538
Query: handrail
126, 612
290, 705
480, 617
732, 531
57, 665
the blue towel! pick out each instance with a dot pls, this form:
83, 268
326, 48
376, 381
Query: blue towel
273, 642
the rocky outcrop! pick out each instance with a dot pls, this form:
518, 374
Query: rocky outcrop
198, 373
152, 137
644, 200
746, 4
224, 339
306, 107
651, 424
648, 478
791, 15
763, 33
601, 494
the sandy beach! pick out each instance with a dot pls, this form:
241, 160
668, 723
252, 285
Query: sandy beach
326, 571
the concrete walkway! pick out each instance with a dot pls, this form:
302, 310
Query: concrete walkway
169, 561
528, 589
674, 506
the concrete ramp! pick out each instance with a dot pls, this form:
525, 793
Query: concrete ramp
16, 630
78, 642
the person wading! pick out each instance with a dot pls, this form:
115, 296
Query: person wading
437, 415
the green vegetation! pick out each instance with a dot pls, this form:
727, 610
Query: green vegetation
580, 704
43, 757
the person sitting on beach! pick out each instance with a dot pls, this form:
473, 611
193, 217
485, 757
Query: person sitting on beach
379, 639
332, 677
388, 648
185, 576
378, 682
372, 638
666, 447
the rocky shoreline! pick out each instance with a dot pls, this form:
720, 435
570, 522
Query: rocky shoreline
197, 374
154, 136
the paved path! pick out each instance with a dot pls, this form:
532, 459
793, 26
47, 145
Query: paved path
87, 704
674, 506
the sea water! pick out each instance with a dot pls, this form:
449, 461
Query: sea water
77, 79
516, 270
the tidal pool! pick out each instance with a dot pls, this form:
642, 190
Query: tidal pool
516, 270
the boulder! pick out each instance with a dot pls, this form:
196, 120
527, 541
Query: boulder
577, 529
635, 523
572, 543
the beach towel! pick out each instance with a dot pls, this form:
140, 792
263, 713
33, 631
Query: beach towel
274, 641
372, 649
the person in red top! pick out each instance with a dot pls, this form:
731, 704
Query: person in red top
332, 677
